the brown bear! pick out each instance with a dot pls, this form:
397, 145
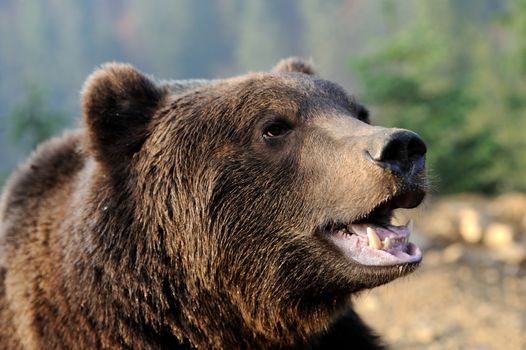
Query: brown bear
240, 213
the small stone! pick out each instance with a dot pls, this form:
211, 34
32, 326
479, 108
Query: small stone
498, 235
470, 225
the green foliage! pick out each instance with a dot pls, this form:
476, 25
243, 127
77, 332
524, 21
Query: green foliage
441, 82
30, 123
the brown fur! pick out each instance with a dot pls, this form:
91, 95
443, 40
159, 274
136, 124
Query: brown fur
168, 220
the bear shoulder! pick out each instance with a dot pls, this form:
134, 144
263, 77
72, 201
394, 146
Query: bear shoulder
50, 165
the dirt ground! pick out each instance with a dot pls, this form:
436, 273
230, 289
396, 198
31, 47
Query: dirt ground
460, 298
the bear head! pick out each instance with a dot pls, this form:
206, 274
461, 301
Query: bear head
258, 204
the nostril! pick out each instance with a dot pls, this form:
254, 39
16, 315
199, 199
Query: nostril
416, 148
393, 151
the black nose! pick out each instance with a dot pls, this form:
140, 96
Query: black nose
402, 152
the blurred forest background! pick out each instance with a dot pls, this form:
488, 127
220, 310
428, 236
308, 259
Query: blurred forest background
453, 70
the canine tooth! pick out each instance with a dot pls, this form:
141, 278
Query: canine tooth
396, 221
374, 240
410, 225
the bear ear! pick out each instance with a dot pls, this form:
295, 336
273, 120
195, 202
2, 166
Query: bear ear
294, 64
118, 103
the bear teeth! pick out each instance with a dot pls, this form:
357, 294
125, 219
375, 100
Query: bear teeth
374, 240
410, 225
388, 242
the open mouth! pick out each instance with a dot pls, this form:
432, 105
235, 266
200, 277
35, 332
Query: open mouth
373, 240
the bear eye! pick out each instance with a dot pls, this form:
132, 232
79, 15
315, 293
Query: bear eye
276, 129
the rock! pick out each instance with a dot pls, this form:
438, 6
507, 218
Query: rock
498, 235
500, 239
470, 225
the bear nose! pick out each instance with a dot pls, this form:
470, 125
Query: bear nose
402, 152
